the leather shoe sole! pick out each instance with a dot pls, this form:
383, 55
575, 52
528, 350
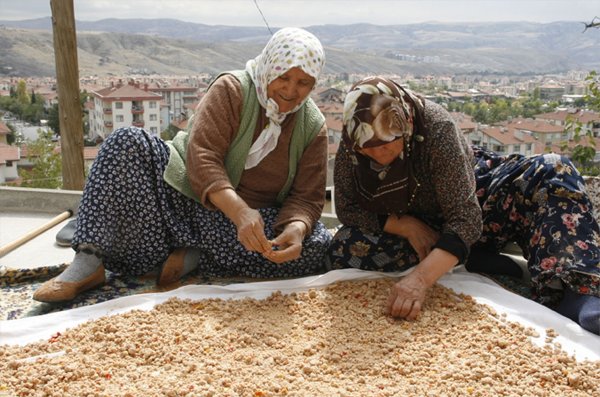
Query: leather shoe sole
62, 291
172, 270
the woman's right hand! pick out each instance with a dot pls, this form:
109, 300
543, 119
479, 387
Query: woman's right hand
420, 235
248, 221
251, 230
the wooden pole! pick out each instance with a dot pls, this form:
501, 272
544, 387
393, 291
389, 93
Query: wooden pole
34, 233
67, 79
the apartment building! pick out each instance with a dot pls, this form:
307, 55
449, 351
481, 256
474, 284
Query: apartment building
124, 105
9, 156
590, 121
505, 138
175, 100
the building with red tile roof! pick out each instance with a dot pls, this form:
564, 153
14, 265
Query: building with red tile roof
9, 157
590, 121
124, 105
176, 98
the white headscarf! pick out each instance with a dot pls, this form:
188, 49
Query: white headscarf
287, 49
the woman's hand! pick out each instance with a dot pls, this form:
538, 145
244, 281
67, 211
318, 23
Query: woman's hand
407, 296
251, 230
419, 235
288, 245
248, 222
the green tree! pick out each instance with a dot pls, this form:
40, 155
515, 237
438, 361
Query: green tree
584, 151
47, 165
532, 107
53, 119
592, 97
481, 113
22, 95
516, 108
33, 113
469, 108
499, 111
11, 137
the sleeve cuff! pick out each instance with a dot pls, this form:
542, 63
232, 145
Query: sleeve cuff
454, 245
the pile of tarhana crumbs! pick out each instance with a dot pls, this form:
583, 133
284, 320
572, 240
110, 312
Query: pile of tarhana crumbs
334, 341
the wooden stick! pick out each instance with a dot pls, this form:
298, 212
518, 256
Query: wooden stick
35, 232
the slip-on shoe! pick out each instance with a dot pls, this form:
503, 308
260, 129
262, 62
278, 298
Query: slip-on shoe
62, 291
172, 269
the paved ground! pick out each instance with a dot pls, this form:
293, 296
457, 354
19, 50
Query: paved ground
41, 251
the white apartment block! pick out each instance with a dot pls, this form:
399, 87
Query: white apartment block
175, 98
124, 105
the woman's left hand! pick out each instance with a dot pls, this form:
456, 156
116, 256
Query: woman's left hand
288, 245
420, 236
407, 296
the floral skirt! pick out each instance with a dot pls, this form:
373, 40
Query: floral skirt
131, 218
539, 202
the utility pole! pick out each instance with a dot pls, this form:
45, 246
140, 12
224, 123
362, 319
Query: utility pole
67, 79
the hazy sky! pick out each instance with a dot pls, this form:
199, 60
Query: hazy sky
316, 12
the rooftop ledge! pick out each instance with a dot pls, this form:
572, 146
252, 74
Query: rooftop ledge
45, 201
54, 201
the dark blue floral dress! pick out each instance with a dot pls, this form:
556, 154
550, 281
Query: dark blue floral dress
540, 202
131, 218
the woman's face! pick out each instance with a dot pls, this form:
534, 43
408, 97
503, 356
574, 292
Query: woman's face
386, 153
290, 89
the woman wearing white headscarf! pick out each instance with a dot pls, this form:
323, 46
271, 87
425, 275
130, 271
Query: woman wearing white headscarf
240, 194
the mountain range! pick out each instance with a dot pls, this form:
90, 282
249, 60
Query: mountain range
168, 46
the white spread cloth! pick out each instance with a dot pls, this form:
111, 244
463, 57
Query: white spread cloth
573, 339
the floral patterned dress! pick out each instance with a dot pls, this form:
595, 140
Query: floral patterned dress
540, 202
131, 218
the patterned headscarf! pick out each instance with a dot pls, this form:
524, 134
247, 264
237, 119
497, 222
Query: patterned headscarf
378, 111
287, 49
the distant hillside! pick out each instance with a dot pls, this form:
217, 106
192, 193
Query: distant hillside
169, 46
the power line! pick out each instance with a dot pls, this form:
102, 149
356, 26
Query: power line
263, 16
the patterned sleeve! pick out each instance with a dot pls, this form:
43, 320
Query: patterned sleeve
452, 175
348, 211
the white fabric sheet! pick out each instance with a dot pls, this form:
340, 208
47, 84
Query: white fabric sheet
573, 339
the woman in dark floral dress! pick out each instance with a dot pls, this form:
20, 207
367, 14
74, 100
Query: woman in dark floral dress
411, 193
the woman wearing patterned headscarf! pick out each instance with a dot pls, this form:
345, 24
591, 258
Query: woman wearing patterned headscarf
240, 194
411, 193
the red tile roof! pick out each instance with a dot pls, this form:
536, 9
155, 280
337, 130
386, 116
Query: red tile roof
507, 135
126, 92
464, 121
533, 126
583, 116
4, 130
89, 152
8, 153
